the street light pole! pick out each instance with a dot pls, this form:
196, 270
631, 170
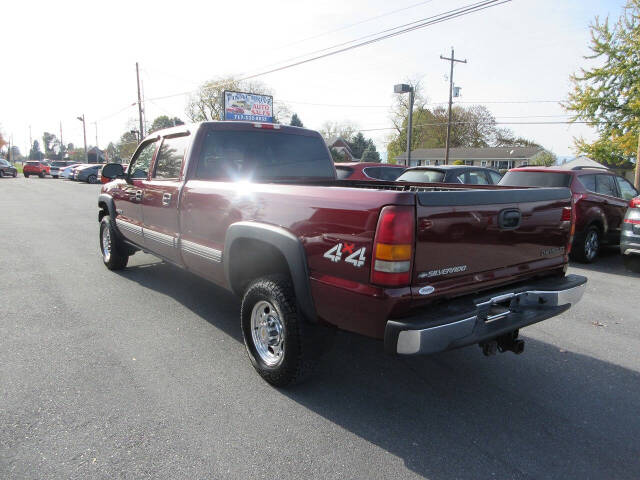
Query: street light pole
404, 88
84, 131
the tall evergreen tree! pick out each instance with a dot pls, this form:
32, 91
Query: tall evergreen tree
295, 121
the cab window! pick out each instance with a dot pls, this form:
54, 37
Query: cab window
170, 157
139, 167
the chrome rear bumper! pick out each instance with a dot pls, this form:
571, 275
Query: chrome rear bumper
467, 321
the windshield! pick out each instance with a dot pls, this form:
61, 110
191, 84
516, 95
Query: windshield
535, 179
422, 176
254, 155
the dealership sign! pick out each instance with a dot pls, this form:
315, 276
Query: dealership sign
248, 106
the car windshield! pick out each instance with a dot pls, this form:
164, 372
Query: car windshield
422, 176
255, 155
33, 163
535, 179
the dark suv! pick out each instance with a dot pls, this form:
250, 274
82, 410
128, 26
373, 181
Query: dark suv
600, 197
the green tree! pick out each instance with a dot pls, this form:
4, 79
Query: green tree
49, 141
544, 159
370, 154
608, 92
207, 102
126, 146
336, 155
163, 121
358, 144
295, 121
111, 153
35, 153
344, 130
458, 162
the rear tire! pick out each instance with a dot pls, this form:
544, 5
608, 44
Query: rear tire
54, 176
41, 174
1, 173
92, 179
26, 175
15, 174
282, 346
113, 251
586, 246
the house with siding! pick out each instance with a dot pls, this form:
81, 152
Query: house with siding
499, 158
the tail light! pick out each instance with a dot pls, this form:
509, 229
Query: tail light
393, 247
634, 202
569, 215
267, 126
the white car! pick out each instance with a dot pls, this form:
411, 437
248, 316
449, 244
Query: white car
66, 172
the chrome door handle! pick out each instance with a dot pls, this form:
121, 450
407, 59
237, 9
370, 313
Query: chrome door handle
138, 195
166, 199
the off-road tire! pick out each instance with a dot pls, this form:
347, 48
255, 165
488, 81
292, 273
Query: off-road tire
303, 342
581, 251
118, 257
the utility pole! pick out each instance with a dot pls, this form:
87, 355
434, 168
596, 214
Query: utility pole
97, 154
139, 103
61, 143
637, 177
84, 131
452, 60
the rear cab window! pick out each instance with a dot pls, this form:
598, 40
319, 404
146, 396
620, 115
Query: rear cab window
536, 179
254, 155
606, 185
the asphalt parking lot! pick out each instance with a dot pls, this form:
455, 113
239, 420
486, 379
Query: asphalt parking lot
143, 374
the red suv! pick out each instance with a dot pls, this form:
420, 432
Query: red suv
35, 168
600, 198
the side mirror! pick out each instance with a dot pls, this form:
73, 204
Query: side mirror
113, 170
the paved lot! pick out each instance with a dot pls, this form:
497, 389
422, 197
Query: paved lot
142, 374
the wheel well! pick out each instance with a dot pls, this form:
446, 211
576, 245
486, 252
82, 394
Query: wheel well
598, 224
250, 259
104, 211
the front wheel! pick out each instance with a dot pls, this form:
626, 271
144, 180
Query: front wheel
15, 174
92, 179
282, 347
112, 252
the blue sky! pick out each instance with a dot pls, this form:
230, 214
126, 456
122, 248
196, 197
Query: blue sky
519, 51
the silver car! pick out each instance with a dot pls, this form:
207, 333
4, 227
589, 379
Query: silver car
630, 236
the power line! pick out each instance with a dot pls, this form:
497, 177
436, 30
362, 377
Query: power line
425, 22
444, 124
345, 27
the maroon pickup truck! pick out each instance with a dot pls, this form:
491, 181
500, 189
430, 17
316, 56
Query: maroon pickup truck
257, 209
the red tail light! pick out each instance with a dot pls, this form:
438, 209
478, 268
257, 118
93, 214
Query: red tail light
393, 247
570, 212
267, 126
566, 214
634, 203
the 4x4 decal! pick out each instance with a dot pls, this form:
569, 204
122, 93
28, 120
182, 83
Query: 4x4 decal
355, 258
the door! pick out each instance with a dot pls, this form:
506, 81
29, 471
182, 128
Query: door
614, 206
130, 193
161, 195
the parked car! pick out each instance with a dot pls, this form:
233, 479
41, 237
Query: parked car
7, 170
58, 165
630, 238
103, 180
67, 172
600, 198
257, 209
87, 173
76, 168
35, 168
451, 174
368, 171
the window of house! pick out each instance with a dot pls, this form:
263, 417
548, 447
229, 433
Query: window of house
469, 163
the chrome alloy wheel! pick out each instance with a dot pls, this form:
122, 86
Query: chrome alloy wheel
267, 332
106, 243
591, 245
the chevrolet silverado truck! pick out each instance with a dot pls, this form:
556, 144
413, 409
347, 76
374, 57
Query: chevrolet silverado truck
257, 209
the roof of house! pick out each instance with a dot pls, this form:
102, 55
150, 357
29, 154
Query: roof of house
474, 153
581, 161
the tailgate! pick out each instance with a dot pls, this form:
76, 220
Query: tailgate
473, 239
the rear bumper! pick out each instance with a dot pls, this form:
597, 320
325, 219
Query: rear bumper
471, 320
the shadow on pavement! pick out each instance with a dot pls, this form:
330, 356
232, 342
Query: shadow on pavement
609, 261
548, 413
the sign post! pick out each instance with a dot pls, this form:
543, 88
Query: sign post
248, 107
